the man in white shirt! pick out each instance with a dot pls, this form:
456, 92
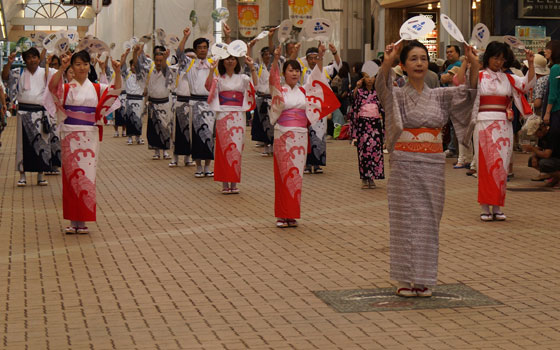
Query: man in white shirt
159, 82
134, 107
203, 117
34, 151
182, 133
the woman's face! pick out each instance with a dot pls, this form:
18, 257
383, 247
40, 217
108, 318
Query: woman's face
70, 74
292, 75
81, 69
230, 63
55, 64
416, 65
496, 63
547, 53
369, 81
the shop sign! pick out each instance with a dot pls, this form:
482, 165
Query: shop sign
300, 11
530, 32
248, 16
539, 8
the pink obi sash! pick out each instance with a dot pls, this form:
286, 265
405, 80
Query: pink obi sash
231, 98
79, 115
369, 110
294, 117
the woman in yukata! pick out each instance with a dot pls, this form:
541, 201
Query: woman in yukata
414, 116
82, 106
293, 109
367, 131
493, 134
231, 95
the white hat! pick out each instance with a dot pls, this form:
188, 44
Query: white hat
517, 72
398, 70
440, 62
532, 125
541, 67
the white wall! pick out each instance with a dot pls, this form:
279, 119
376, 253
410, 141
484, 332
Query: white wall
114, 24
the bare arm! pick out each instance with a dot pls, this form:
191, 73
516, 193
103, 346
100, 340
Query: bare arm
472, 59
293, 55
57, 77
138, 49
322, 50
186, 34
391, 53
227, 33
124, 57
336, 55
537, 103
460, 76
117, 69
8, 67
270, 37
531, 60
251, 64
208, 83
3, 101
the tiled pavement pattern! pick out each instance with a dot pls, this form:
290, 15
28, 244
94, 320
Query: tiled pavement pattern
173, 264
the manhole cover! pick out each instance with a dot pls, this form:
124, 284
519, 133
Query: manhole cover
384, 299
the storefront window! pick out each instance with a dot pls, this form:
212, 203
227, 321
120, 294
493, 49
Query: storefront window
49, 9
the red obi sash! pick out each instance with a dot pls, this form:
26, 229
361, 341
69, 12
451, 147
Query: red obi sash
494, 103
294, 117
421, 140
231, 98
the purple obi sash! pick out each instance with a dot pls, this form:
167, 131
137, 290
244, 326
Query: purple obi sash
294, 117
79, 115
231, 98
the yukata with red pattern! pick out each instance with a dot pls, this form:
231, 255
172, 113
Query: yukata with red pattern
230, 97
81, 107
292, 111
493, 134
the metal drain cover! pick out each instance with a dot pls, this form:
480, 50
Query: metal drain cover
384, 299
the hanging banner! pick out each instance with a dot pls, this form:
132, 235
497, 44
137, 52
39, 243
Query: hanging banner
300, 11
248, 16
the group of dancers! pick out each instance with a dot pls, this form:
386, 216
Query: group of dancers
291, 97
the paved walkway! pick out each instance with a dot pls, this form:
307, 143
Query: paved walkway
173, 264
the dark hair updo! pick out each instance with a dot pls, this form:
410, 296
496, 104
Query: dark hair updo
82, 55
291, 63
411, 45
222, 67
495, 49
